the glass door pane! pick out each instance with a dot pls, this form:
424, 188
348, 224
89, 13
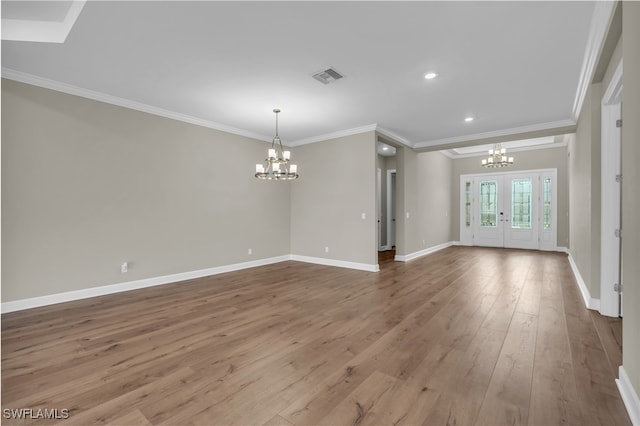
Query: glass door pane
521, 207
546, 194
488, 203
467, 190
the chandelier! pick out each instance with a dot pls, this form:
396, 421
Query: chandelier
276, 166
497, 157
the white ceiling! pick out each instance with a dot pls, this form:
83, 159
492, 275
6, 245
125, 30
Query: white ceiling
39, 21
510, 65
55, 11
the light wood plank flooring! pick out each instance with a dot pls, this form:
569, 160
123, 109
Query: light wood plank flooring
460, 337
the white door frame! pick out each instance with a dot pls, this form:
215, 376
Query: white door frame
489, 236
610, 218
466, 228
379, 213
391, 230
547, 239
526, 238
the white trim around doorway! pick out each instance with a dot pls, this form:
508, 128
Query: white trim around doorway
390, 213
547, 239
610, 213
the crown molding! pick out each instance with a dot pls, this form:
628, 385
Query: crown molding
353, 131
149, 109
394, 137
498, 133
560, 144
58, 86
613, 93
447, 153
600, 22
334, 135
46, 83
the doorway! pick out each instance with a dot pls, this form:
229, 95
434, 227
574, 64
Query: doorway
386, 200
391, 209
386, 216
611, 219
512, 210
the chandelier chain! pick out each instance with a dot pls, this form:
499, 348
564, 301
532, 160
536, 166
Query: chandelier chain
276, 166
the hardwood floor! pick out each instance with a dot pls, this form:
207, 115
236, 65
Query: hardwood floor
463, 336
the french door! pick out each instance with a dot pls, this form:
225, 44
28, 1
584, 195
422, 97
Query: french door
515, 210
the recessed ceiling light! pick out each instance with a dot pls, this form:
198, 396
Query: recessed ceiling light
468, 119
430, 75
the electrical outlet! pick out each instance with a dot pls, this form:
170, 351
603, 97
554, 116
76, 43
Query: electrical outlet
407, 215
326, 249
364, 216
250, 251
124, 267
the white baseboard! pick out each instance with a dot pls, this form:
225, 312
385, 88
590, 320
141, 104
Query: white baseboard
415, 255
35, 302
339, 263
52, 299
589, 302
629, 396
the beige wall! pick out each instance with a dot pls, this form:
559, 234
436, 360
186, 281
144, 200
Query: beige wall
552, 158
424, 191
87, 185
584, 171
434, 200
337, 184
630, 191
584, 175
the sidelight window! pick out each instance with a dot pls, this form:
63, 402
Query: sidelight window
467, 190
546, 203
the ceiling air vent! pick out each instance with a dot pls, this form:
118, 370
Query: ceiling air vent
327, 76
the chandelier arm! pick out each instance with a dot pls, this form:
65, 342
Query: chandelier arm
276, 165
